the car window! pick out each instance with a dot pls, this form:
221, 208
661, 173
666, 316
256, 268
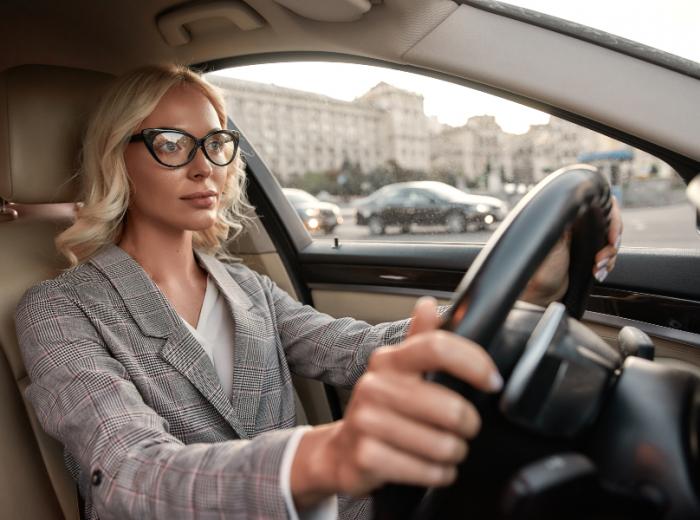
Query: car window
415, 197
362, 144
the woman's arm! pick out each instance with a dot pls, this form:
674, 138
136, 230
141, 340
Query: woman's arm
132, 467
398, 427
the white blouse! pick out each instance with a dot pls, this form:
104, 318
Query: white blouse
214, 333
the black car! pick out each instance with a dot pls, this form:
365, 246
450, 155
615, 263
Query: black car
427, 203
317, 216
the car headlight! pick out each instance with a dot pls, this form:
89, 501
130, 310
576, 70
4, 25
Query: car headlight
311, 212
312, 223
483, 208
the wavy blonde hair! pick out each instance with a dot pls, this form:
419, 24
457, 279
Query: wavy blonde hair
105, 183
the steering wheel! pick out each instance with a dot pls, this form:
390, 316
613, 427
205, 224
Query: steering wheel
581, 429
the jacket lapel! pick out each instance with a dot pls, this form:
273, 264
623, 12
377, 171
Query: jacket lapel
248, 372
154, 315
186, 355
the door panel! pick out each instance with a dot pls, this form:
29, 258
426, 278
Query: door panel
368, 304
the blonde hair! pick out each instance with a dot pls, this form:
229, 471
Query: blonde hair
105, 183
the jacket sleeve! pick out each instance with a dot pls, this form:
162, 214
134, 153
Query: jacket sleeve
131, 466
319, 346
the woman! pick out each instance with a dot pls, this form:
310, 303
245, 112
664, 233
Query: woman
165, 373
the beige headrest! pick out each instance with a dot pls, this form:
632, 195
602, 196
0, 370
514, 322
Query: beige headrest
43, 111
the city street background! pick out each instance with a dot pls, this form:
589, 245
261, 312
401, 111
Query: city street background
661, 227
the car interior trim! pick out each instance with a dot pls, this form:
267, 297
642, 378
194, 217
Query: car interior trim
671, 334
374, 289
587, 34
287, 238
173, 23
679, 336
666, 311
440, 266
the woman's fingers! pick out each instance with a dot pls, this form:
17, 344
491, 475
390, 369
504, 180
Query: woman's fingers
419, 400
381, 462
425, 316
440, 351
605, 258
413, 437
615, 231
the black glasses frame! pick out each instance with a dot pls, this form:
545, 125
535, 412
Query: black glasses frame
148, 135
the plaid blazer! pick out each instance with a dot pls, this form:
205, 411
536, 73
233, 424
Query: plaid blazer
147, 429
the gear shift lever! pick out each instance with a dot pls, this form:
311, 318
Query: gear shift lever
633, 342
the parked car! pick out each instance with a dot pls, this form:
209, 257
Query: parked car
316, 215
428, 203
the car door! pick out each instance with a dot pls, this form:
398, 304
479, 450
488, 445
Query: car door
426, 208
397, 210
654, 287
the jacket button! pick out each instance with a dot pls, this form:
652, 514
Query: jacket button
96, 477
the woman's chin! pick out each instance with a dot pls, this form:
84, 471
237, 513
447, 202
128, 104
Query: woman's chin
201, 224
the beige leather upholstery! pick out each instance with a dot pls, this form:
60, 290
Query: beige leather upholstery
42, 113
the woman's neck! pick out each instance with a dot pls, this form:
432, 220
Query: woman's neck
165, 256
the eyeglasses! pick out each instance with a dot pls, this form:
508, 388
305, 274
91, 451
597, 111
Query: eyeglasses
176, 148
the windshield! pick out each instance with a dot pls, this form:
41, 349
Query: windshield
667, 25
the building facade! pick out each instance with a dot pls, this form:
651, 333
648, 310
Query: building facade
297, 132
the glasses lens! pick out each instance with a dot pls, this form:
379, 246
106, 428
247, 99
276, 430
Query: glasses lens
220, 148
173, 148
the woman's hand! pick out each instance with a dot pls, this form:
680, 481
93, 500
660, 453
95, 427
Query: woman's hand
398, 427
552, 278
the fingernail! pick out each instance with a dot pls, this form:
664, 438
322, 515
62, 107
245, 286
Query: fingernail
602, 263
601, 274
618, 242
495, 381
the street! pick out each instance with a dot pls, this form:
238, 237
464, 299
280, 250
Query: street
666, 226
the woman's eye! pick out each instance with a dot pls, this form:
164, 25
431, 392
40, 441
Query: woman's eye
168, 146
215, 146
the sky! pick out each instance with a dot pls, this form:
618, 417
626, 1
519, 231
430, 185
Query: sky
669, 25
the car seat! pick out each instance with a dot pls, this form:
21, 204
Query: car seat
42, 113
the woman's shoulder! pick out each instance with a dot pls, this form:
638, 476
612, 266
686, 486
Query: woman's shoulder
66, 285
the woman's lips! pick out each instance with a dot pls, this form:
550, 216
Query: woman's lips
202, 202
202, 199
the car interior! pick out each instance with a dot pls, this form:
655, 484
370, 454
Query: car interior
58, 57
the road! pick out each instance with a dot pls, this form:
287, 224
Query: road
666, 226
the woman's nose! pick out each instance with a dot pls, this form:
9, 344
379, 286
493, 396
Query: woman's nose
200, 165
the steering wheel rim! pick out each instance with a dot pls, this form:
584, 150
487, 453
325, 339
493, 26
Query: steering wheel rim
576, 196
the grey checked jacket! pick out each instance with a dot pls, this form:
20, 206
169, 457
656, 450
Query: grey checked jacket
147, 429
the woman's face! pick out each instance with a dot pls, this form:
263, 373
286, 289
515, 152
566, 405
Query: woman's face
182, 198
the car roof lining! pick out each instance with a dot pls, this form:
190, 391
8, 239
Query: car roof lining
114, 37
589, 34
